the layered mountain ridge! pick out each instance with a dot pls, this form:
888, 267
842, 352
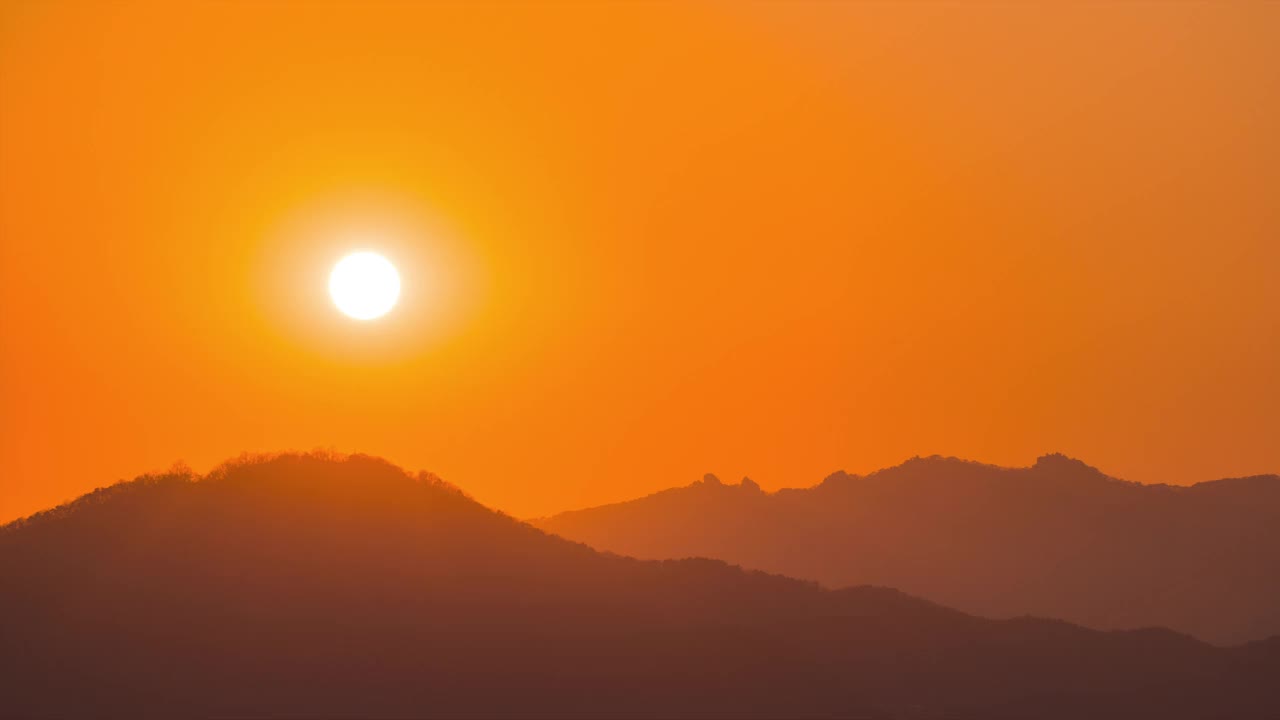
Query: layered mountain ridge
305, 585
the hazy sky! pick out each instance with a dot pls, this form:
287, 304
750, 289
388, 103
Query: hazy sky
639, 241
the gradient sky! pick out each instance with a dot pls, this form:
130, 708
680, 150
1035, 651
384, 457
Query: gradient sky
639, 241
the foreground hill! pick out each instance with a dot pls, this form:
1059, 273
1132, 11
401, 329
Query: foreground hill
1059, 539
313, 586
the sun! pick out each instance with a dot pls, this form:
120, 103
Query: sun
364, 285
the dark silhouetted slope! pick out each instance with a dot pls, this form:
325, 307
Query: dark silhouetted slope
1058, 539
313, 586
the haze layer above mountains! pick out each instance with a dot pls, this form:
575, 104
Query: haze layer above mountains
305, 585
1058, 539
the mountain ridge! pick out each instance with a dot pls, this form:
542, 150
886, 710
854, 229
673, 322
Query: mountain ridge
1046, 460
1052, 539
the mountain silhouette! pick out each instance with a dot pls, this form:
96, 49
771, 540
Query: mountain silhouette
1058, 539
313, 585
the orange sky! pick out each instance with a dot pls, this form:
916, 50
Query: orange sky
639, 241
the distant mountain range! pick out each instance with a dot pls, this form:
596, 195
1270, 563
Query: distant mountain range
342, 587
1058, 539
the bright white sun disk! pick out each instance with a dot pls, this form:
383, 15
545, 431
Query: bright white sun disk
364, 285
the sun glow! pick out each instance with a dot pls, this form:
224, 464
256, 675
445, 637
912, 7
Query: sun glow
364, 285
